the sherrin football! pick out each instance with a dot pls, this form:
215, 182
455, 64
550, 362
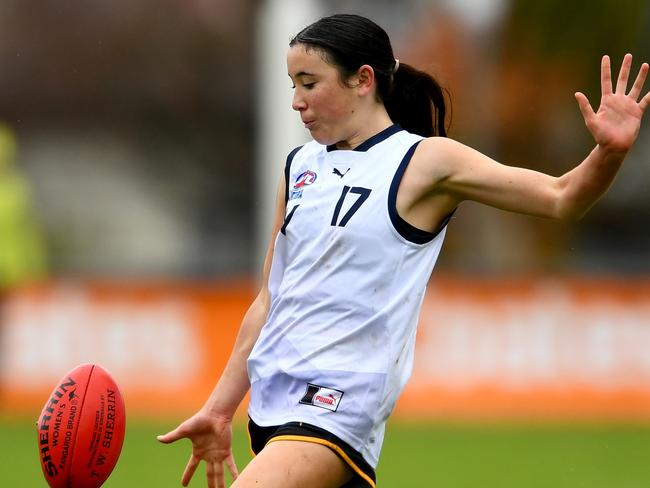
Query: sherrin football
81, 429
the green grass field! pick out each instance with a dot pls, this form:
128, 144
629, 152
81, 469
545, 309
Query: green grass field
414, 456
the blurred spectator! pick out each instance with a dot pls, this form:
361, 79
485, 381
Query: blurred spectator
22, 252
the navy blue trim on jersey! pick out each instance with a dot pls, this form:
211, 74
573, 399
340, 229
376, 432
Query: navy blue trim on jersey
287, 219
376, 139
287, 173
406, 230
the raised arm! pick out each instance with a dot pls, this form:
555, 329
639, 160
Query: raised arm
461, 173
210, 428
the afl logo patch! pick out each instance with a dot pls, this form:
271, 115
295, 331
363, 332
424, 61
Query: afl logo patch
305, 179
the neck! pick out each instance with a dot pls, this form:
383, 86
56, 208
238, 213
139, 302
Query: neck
365, 127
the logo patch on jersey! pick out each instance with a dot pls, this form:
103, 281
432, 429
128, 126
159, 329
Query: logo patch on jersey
320, 396
305, 179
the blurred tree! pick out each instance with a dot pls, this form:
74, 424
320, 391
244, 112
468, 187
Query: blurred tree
549, 50
574, 31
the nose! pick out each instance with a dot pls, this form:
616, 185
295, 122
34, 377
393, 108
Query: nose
297, 103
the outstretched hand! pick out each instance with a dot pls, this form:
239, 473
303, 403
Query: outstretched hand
211, 442
615, 125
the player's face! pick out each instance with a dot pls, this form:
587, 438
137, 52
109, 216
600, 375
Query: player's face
325, 104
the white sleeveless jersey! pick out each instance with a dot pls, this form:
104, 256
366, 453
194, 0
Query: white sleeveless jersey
346, 284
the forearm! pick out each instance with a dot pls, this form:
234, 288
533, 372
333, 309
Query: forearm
234, 383
583, 186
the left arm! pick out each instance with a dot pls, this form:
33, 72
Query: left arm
459, 173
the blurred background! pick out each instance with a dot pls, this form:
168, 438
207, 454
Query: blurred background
140, 144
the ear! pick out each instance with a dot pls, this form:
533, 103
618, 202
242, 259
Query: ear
365, 80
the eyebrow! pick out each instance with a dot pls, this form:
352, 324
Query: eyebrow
301, 73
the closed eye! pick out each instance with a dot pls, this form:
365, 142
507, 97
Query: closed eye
309, 86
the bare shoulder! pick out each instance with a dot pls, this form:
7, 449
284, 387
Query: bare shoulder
423, 199
437, 158
431, 166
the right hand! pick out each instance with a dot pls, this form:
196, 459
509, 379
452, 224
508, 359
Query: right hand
211, 437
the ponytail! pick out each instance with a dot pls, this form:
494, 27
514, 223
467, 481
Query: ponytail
416, 101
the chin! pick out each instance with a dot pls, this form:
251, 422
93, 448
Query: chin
324, 139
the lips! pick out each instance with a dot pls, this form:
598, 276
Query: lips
308, 123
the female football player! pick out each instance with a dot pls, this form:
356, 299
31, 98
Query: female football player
327, 344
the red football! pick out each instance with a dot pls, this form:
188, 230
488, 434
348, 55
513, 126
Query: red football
81, 429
